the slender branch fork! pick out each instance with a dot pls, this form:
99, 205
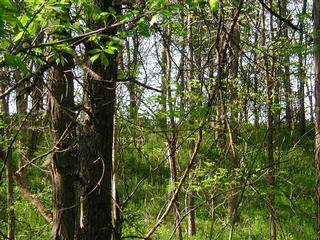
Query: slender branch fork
15, 137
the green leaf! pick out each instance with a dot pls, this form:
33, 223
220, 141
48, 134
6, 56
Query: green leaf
93, 51
7, 4
15, 62
11, 60
109, 51
112, 11
125, 17
213, 4
22, 66
95, 57
104, 60
18, 36
68, 50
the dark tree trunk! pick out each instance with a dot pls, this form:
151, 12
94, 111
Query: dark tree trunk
63, 137
9, 166
64, 160
95, 143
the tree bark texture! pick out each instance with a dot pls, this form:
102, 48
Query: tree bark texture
64, 159
96, 141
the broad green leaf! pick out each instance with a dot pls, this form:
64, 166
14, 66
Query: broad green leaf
104, 60
95, 57
213, 4
24, 20
18, 36
93, 51
68, 50
11, 60
109, 51
22, 66
33, 28
125, 17
15, 62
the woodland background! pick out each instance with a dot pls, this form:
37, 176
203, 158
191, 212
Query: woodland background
181, 119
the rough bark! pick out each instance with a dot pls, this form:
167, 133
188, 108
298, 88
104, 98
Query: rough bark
95, 155
64, 159
21, 103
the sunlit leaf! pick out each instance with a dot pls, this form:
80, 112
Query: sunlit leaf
93, 51
213, 4
94, 57
18, 36
109, 51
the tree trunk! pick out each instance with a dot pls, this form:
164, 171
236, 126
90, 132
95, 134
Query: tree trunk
64, 160
95, 155
270, 116
192, 103
231, 125
21, 103
116, 217
9, 164
316, 26
171, 136
302, 75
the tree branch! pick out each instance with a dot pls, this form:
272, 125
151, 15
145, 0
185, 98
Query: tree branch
178, 188
43, 210
288, 22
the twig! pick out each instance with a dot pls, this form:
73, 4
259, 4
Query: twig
280, 17
47, 153
15, 137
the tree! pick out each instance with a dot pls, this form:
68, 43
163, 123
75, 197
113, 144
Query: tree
316, 27
95, 156
9, 162
149, 101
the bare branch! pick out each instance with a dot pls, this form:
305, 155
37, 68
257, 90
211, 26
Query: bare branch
288, 22
178, 188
